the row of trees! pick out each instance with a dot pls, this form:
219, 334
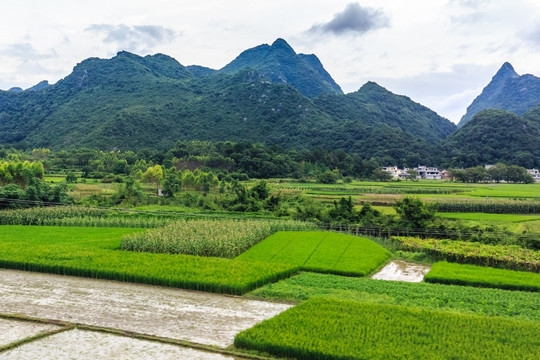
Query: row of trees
499, 172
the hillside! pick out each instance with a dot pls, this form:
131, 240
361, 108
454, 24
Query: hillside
133, 102
279, 63
493, 136
373, 104
507, 91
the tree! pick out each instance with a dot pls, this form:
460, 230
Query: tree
171, 183
412, 175
380, 175
71, 178
328, 177
414, 213
154, 174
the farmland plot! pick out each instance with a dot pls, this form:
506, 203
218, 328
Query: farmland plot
185, 315
81, 345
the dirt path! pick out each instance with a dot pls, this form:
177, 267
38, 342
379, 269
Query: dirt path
198, 317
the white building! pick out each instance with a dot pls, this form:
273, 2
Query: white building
428, 173
535, 173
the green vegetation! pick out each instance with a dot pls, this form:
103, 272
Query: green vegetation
495, 206
508, 91
78, 216
94, 252
320, 251
156, 97
218, 237
493, 136
471, 275
480, 301
342, 329
506, 256
498, 172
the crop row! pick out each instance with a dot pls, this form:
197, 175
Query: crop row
215, 237
472, 300
93, 252
490, 206
340, 329
471, 275
385, 190
77, 216
320, 251
506, 256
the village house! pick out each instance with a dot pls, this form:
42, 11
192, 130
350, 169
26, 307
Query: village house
424, 172
535, 173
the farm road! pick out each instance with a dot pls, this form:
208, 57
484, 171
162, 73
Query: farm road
202, 318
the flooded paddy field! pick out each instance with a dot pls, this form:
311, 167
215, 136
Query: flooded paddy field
80, 344
15, 330
398, 270
202, 318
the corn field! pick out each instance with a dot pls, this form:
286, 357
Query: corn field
490, 206
217, 237
77, 216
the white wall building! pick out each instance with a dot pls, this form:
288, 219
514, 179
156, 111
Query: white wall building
535, 173
428, 173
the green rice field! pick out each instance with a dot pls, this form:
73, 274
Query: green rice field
323, 328
320, 251
463, 299
471, 275
94, 252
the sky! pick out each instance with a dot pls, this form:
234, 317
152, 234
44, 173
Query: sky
440, 53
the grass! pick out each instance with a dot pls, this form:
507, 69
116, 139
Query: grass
93, 252
481, 301
450, 273
342, 329
320, 251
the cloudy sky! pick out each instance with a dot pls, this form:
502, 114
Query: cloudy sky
441, 53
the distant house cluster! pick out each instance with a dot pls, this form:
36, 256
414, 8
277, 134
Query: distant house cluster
419, 172
535, 173
433, 173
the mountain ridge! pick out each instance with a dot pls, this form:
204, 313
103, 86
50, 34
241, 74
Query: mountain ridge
131, 102
508, 91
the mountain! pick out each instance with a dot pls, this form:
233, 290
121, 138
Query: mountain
493, 136
39, 86
131, 102
373, 104
279, 63
507, 91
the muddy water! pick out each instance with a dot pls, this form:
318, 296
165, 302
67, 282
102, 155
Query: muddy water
79, 344
402, 271
14, 330
185, 315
